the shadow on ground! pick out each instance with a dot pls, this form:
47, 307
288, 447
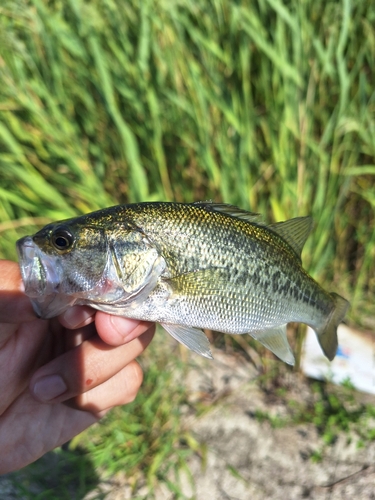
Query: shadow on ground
63, 474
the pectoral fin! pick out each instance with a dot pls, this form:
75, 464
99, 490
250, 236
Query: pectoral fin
200, 282
275, 340
193, 338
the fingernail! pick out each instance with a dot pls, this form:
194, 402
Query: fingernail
77, 316
124, 326
47, 388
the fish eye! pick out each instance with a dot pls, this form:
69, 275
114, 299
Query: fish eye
62, 239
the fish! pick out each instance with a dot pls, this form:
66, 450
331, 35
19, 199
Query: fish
187, 266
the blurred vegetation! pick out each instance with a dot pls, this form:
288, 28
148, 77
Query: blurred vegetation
266, 104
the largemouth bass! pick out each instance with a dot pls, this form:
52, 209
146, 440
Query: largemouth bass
186, 266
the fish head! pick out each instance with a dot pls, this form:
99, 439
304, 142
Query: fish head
62, 264
91, 260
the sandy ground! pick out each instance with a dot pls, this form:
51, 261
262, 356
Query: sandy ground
248, 458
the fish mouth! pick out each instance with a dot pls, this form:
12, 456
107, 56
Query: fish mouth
41, 277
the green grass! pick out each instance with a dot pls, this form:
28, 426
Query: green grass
266, 104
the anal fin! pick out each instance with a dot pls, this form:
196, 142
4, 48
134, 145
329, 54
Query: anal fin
193, 338
275, 340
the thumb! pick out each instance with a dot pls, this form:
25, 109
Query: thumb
15, 306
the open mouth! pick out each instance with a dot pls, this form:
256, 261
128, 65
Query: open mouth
40, 274
32, 270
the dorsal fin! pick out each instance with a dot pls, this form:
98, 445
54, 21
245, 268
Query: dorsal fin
294, 231
233, 211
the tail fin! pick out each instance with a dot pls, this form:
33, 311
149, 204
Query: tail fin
327, 335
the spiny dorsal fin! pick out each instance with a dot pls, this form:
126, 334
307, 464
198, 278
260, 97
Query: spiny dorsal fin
294, 231
233, 211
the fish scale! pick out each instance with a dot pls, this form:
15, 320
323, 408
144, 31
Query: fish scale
186, 266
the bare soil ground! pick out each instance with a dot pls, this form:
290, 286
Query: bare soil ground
249, 459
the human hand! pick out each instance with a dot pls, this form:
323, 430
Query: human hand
59, 376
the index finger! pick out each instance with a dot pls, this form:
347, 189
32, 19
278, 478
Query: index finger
15, 306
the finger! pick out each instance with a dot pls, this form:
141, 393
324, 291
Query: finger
74, 338
29, 429
24, 352
85, 367
15, 306
117, 330
120, 389
77, 316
